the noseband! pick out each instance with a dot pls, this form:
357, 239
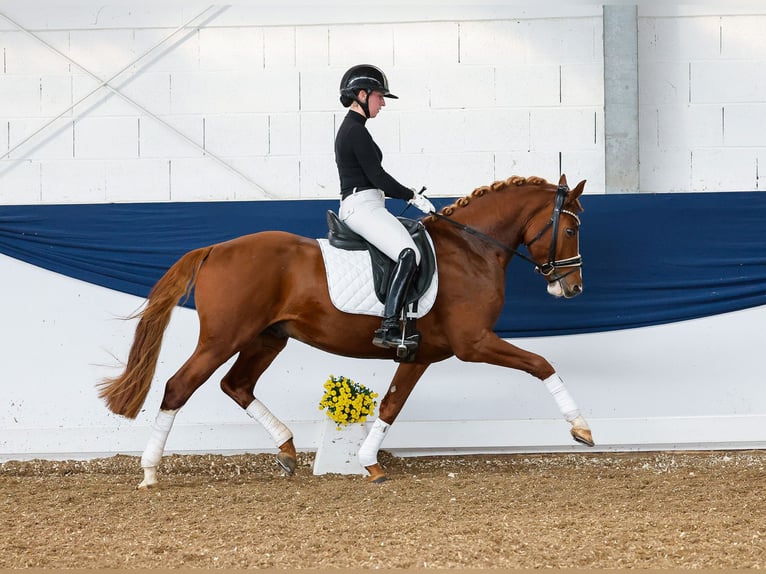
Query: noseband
549, 268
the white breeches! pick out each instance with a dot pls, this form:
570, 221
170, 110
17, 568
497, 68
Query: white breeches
366, 214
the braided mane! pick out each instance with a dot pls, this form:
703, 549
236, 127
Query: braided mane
516, 180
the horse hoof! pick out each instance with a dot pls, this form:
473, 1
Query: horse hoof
146, 486
287, 463
583, 436
377, 474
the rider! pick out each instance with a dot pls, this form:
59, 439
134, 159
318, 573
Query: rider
365, 185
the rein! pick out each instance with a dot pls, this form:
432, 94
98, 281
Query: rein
550, 266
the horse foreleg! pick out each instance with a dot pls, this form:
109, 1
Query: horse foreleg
405, 378
580, 430
152, 455
487, 347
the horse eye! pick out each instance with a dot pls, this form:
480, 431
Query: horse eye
571, 232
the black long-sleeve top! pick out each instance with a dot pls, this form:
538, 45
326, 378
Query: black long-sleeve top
359, 158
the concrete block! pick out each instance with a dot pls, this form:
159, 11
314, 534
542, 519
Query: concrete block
724, 169
426, 44
433, 132
180, 53
279, 46
54, 141
55, 96
385, 130
19, 96
19, 182
742, 37
203, 179
412, 87
156, 140
273, 90
461, 86
690, 126
230, 49
680, 39
137, 180
369, 43
725, 82
101, 52
588, 165
582, 84
560, 129
527, 86
527, 164
317, 133
319, 89
278, 176
444, 174
312, 46
319, 177
488, 42
103, 138
564, 40
24, 55
148, 90
98, 101
496, 130
743, 125
237, 134
663, 82
73, 181
649, 122
284, 134
663, 171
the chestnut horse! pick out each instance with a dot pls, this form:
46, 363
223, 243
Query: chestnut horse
255, 292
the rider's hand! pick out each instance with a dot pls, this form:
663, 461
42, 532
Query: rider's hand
422, 202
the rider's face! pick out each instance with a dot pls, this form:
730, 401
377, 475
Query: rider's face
375, 102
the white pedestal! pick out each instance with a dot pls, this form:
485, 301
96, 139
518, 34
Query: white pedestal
337, 451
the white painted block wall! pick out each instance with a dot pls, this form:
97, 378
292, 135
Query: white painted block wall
702, 77
480, 99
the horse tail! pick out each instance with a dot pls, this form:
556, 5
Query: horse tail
125, 394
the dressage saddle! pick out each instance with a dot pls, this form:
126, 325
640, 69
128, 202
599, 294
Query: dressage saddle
342, 237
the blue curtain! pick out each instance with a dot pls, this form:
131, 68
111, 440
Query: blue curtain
649, 259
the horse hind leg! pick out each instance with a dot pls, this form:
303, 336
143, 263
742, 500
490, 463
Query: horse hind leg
197, 369
239, 384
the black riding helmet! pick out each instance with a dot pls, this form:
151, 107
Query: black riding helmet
363, 77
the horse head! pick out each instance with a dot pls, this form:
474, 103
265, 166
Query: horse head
552, 236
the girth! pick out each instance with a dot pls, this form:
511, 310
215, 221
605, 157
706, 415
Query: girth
342, 237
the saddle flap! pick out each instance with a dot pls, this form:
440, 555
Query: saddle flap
342, 237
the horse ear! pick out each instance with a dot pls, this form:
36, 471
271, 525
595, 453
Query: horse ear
575, 193
563, 180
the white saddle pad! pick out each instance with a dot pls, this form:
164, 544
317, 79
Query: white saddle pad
349, 276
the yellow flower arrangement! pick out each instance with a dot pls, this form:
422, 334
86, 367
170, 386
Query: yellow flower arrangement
346, 401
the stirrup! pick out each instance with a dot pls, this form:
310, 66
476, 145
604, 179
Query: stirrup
387, 337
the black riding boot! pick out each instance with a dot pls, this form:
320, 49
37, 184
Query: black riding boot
390, 335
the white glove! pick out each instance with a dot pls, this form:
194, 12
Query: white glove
422, 203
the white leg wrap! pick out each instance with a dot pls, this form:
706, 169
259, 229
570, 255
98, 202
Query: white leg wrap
564, 400
276, 428
160, 431
368, 452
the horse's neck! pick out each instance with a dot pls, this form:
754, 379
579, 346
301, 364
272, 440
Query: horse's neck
502, 215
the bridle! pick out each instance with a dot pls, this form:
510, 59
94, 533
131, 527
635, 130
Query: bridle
550, 268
